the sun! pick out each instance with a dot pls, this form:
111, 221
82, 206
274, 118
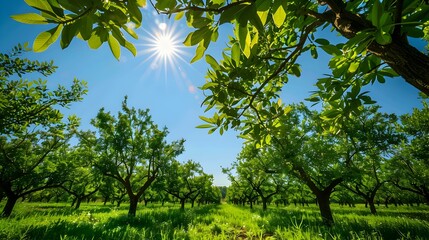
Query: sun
164, 43
163, 47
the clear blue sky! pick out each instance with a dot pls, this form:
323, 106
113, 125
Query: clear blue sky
170, 92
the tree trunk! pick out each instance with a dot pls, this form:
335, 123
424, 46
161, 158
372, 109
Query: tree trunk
10, 204
134, 200
78, 202
407, 61
182, 204
192, 203
264, 204
402, 57
325, 208
372, 206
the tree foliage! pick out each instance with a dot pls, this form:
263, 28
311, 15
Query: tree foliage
265, 48
31, 127
132, 150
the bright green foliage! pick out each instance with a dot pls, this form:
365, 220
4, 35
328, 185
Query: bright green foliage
31, 127
80, 179
132, 150
264, 50
410, 165
321, 160
24, 103
259, 172
187, 181
369, 171
91, 20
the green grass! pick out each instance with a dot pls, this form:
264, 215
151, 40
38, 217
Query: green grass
95, 221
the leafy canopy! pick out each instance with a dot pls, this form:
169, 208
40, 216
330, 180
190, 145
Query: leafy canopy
266, 46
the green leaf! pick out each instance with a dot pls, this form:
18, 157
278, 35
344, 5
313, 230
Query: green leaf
296, 70
382, 37
206, 119
213, 63
353, 67
40, 5
85, 27
67, 35
376, 12
313, 52
130, 31
322, 41
97, 38
263, 9
235, 53
331, 50
279, 12
188, 39
30, 18
232, 13
114, 46
194, 38
204, 126
199, 53
141, 3
179, 16
45, 39
135, 13
130, 47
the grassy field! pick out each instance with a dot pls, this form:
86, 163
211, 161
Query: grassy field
95, 221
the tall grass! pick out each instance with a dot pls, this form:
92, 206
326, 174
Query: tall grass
95, 221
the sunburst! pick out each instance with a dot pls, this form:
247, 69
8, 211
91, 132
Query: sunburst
163, 48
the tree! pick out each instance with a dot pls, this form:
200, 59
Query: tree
371, 177
32, 127
322, 160
132, 150
240, 190
80, 179
256, 168
268, 39
410, 166
186, 181
25, 103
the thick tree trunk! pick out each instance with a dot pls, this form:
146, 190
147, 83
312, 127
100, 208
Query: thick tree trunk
134, 200
325, 208
10, 204
405, 59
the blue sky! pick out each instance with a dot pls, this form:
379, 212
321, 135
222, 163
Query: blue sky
170, 92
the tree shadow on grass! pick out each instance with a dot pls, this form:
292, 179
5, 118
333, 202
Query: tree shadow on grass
163, 224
